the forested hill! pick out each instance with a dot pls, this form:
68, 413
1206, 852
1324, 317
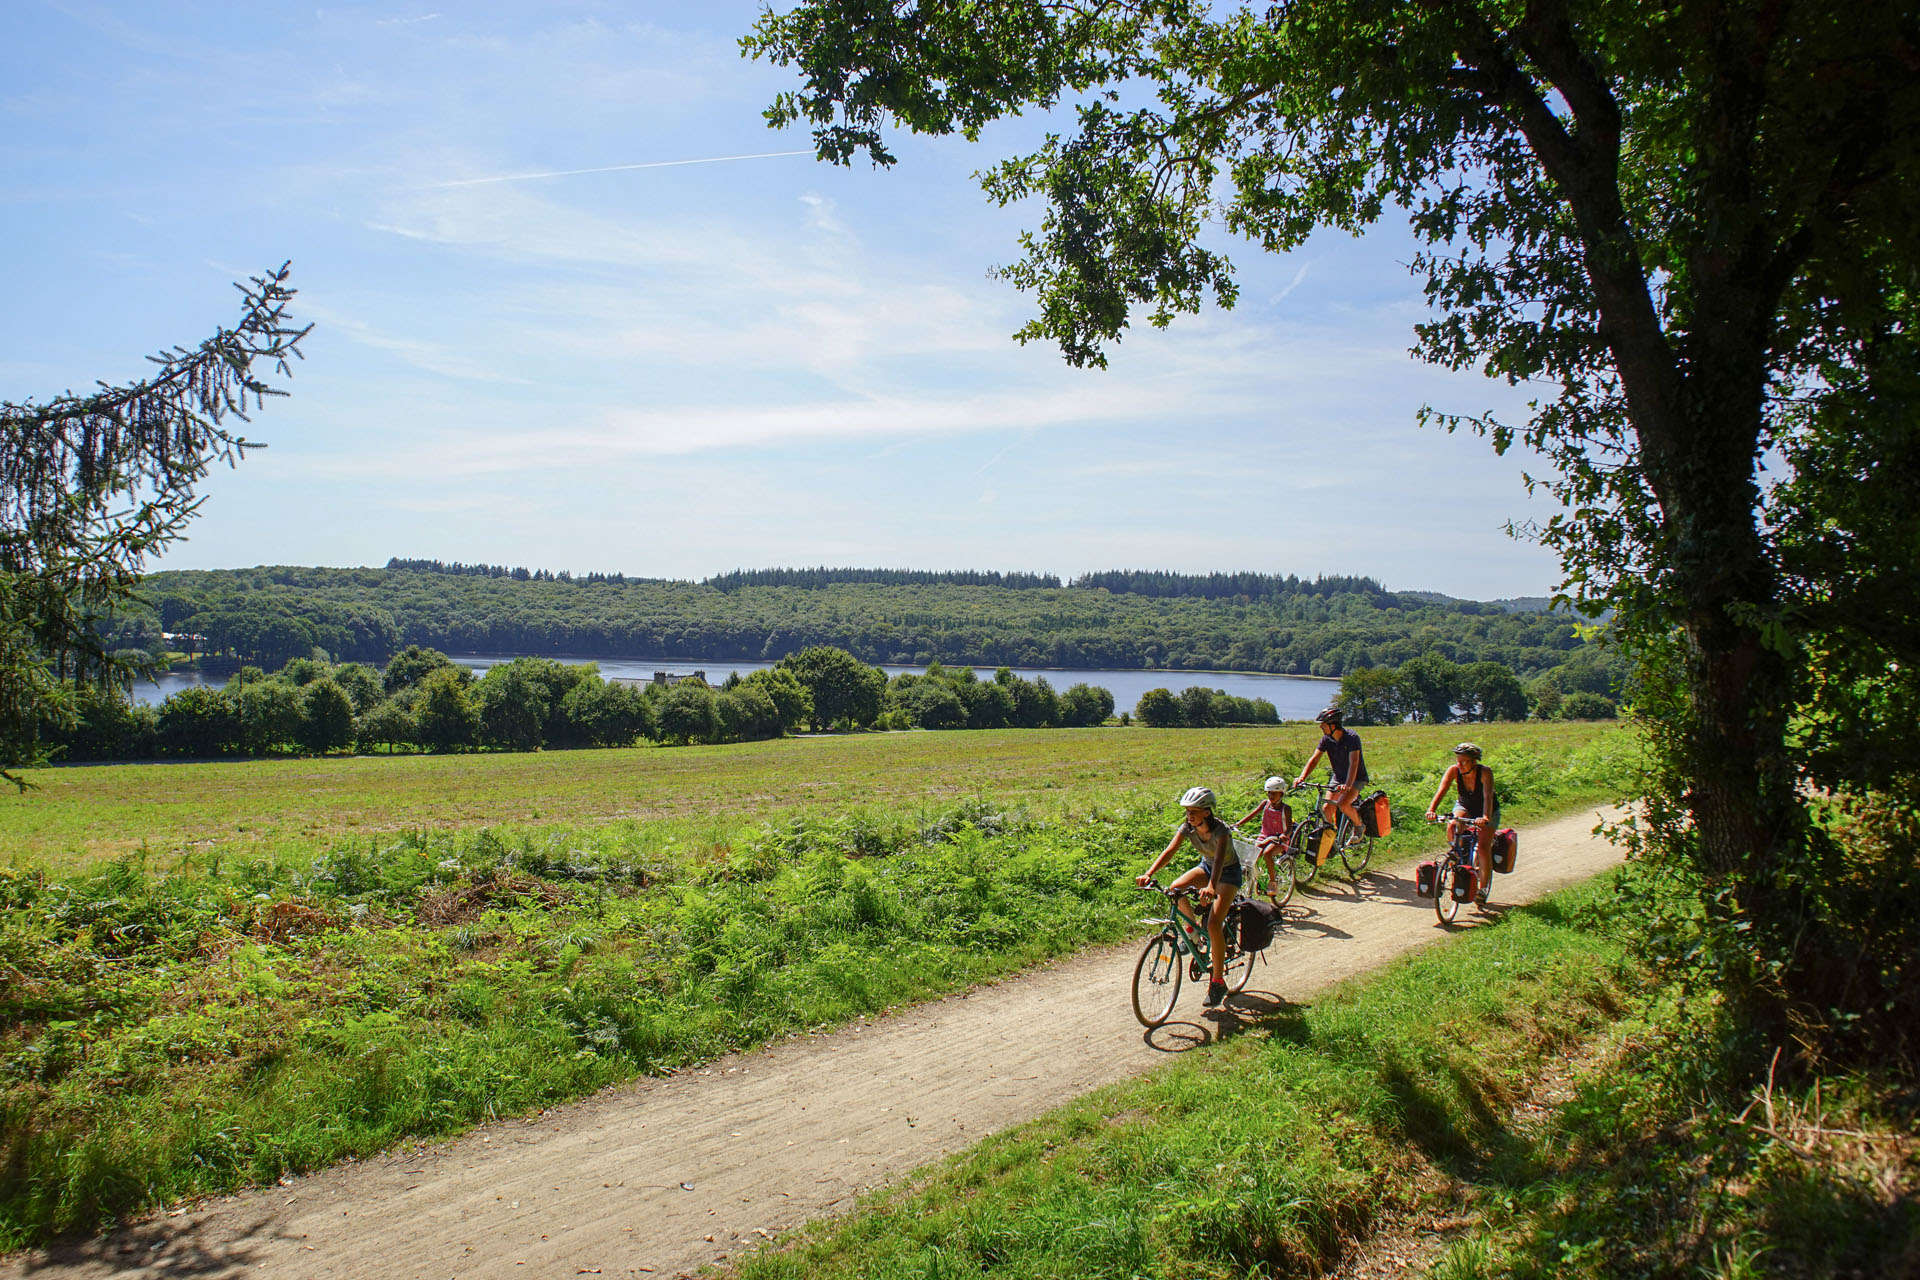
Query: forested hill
1126, 620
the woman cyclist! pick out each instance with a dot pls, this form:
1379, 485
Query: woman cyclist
1346, 767
1475, 805
1220, 871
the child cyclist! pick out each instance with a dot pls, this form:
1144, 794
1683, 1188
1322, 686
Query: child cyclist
1276, 824
1218, 875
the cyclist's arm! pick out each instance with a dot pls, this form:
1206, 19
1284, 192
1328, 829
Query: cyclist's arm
1433, 810
1254, 813
1306, 770
1165, 853
1493, 805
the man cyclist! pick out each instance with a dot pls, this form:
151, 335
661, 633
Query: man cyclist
1220, 871
1476, 806
1346, 767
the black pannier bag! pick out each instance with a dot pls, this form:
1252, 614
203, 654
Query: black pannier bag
1257, 920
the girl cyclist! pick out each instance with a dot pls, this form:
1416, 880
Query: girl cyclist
1219, 876
1475, 805
1276, 824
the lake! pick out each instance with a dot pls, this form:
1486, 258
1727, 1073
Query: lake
1294, 697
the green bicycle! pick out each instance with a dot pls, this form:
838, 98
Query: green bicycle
1182, 949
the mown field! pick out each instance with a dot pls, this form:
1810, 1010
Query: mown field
83, 814
214, 974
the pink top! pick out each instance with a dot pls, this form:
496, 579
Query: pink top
1274, 821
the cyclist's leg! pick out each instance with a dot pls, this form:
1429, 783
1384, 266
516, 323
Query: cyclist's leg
1483, 853
1343, 799
1191, 879
1266, 847
1217, 927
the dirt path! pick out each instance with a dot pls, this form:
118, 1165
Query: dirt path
663, 1176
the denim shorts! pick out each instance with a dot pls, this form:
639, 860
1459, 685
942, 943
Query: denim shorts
1235, 875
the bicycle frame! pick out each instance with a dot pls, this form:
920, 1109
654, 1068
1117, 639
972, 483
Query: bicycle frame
1351, 842
1189, 932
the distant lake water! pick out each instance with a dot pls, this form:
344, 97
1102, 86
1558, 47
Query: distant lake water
1294, 697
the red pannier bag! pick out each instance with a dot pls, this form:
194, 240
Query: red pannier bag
1466, 883
1423, 879
1506, 850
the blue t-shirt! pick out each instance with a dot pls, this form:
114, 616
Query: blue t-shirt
1340, 755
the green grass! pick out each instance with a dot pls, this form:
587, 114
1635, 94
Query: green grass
1680, 1154
217, 1013
293, 808
1393, 1106
1271, 1154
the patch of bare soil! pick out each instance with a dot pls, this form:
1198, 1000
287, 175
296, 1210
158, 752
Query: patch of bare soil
664, 1176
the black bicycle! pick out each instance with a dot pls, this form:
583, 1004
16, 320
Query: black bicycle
1452, 867
1315, 840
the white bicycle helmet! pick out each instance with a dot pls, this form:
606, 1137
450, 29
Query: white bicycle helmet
1275, 783
1197, 798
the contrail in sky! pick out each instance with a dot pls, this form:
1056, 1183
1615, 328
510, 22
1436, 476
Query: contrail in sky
614, 168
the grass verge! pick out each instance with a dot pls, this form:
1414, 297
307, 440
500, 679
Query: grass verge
1683, 1152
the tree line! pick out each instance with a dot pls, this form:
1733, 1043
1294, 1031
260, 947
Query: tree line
267, 616
423, 701
1428, 689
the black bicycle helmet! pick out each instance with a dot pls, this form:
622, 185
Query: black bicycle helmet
1330, 716
1468, 749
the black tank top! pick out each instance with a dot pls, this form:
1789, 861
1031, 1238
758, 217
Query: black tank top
1474, 801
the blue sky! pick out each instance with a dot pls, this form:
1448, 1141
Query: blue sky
686, 368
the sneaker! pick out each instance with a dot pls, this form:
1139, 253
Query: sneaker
1216, 992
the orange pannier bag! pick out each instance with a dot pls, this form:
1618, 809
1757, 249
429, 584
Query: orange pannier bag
1375, 815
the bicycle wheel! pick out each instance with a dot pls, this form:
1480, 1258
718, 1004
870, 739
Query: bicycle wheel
1156, 980
1443, 904
1280, 886
1239, 970
1356, 852
1305, 867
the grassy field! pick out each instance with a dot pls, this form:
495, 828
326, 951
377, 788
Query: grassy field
334, 978
84, 814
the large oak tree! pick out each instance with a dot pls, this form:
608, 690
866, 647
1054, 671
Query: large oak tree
1691, 225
